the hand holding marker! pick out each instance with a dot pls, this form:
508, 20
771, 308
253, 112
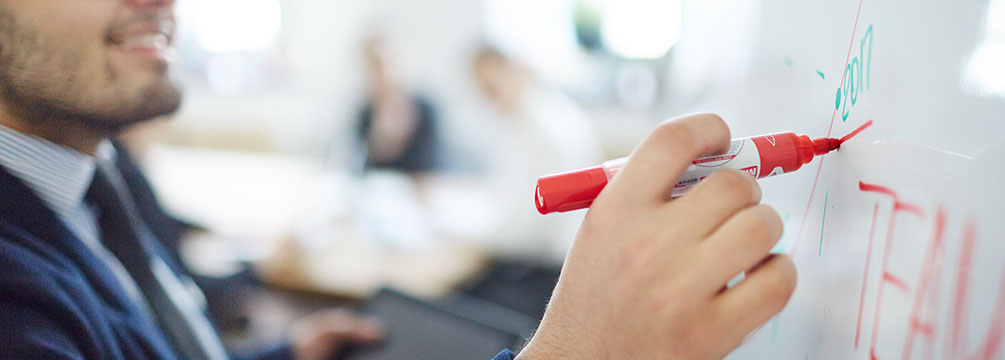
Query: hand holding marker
760, 156
648, 276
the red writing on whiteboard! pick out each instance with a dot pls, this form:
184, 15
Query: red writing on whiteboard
887, 277
922, 324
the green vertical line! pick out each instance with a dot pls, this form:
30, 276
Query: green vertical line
822, 223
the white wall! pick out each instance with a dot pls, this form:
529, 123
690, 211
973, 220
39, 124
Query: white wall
320, 78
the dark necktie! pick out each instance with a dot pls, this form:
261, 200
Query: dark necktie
129, 239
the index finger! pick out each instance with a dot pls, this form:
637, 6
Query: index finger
658, 163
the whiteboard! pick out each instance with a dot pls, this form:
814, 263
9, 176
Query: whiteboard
897, 238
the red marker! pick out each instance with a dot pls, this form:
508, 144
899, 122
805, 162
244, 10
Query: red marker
760, 156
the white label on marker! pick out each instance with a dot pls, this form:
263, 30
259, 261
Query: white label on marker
742, 155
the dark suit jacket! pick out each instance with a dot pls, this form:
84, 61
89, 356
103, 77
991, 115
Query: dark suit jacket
60, 301
422, 152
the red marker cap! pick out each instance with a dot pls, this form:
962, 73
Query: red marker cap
569, 191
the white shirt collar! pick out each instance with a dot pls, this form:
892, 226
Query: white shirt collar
59, 175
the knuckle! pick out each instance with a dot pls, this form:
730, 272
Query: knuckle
773, 221
780, 281
755, 188
735, 183
767, 223
692, 134
710, 118
757, 234
715, 124
676, 133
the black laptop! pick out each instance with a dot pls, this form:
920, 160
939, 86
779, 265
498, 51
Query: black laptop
461, 328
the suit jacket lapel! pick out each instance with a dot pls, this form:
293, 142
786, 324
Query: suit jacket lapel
26, 220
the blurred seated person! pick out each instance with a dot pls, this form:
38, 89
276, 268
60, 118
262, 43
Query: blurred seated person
537, 131
396, 128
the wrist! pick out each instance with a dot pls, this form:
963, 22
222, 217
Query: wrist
543, 346
531, 352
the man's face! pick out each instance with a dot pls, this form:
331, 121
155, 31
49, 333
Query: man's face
104, 63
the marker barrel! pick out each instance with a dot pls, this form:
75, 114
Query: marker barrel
760, 156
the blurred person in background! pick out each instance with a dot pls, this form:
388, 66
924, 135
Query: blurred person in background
396, 128
82, 277
536, 130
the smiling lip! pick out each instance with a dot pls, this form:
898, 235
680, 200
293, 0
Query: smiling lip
151, 39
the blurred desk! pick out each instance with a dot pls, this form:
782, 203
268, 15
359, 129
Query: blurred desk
311, 229
357, 269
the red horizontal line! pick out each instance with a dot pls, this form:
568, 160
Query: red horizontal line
887, 276
897, 204
877, 189
914, 209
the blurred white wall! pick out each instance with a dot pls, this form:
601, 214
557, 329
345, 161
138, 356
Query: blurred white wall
316, 78
302, 94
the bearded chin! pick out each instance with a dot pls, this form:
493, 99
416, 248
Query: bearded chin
109, 114
156, 100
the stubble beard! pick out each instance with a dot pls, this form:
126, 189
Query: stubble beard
47, 86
